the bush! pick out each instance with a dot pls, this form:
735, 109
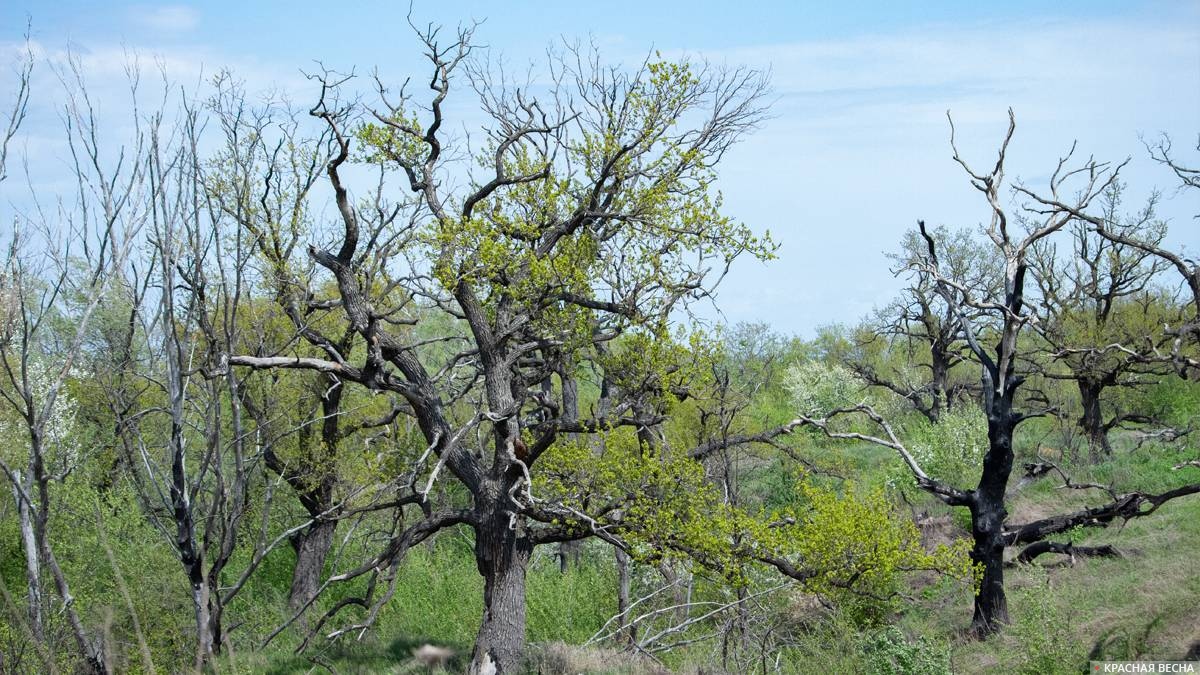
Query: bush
951, 450
889, 652
1043, 631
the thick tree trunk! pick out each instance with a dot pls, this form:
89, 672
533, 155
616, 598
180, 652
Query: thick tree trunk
569, 553
987, 525
1092, 421
991, 605
312, 547
313, 482
502, 555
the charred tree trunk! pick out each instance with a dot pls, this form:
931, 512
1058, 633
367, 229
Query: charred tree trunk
502, 554
988, 513
940, 375
190, 554
987, 530
1092, 420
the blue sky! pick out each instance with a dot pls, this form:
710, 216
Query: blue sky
856, 150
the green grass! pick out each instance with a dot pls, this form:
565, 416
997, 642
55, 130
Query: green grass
1140, 606
439, 600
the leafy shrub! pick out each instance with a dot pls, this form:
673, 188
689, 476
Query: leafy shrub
1043, 631
818, 387
889, 652
951, 450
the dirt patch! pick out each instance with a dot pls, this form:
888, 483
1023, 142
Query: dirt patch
939, 531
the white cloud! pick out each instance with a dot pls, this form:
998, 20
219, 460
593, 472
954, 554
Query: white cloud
166, 18
857, 149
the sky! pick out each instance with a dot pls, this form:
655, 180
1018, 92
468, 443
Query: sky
857, 145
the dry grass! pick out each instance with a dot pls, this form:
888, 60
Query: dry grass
557, 658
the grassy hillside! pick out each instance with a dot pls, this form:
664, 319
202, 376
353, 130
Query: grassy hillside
1138, 606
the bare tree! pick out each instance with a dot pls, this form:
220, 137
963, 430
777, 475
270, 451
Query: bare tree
11, 293
1184, 336
920, 330
260, 183
60, 265
1001, 320
1101, 314
199, 440
20, 105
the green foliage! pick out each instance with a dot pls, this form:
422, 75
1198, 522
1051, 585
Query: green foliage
858, 549
890, 652
657, 177
819, 387
1174, 400
1043, 631
951, 450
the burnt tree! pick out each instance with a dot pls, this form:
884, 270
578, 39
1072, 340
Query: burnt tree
1002, 320
1101, 313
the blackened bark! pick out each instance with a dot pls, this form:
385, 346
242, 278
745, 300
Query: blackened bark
987, 523
569, 553
940, 373
190, 555
1123, 507
1029, 553
1092, 420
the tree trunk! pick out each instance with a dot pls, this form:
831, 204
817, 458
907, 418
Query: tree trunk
991, 605
204, 641
312, 546
313, 482
33, 568
502, 556
623, 578
940, 373
569, 553
1092, 421
987, 524
93, 654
